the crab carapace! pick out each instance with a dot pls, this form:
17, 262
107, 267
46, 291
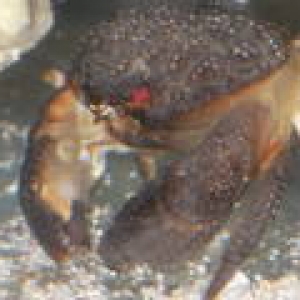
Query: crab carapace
222, 89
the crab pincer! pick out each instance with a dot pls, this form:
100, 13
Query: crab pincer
65, 157
169, 221
57, 175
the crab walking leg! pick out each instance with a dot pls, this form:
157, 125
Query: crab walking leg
262, 200
173, 216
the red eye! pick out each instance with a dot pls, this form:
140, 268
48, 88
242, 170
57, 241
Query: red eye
140, 96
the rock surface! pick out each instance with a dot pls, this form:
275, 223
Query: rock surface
22, 24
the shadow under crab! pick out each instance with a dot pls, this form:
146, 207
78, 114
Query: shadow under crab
221, 91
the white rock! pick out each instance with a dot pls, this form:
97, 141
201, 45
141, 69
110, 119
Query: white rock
14, 16
22, 24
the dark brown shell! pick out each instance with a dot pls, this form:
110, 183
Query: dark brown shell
186, 59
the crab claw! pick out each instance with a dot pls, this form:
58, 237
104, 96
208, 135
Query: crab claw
169, 221
65, 156
55, 180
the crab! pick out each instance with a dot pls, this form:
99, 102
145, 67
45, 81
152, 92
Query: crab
219, 90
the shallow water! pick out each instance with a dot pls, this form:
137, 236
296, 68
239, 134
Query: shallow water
26, 273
